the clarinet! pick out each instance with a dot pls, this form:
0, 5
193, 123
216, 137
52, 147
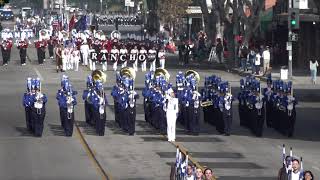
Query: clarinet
258, 104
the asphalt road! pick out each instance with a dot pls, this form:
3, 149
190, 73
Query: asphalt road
146, 155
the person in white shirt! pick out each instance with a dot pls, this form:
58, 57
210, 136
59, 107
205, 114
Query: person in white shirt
257, 63
104, 59
68, 52
135, 63
116, 52
75, 58
64, 59
171, 108
123, 51
190, 175
143, 51
313, 69
152, 58
92, 64
84, 48
295, 172
266, 60
162, 58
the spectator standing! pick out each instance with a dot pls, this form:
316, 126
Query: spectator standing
251, 59
199, 174
295, 172
308, 175
266, 60
283, 172
181, 48
313, 69
257, 63
208, 174
219, 50
190, 175
243, 57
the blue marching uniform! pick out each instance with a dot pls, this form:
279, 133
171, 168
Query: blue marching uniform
99, 102
88, 99
28, 104
268, 93
146, 93
115, 93
125, 100
34, 102
66, 101
130, 111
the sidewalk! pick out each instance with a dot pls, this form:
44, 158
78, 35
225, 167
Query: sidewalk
301, 78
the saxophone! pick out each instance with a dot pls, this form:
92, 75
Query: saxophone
196, 100
228, 101
70, 105
131, 99
259, 103
39, 102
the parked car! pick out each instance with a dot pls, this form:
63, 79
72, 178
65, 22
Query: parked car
7, 15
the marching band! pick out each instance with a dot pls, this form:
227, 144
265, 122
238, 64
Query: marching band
66, 101
34, 102
96, 101
125, 98
275, 105
6, 46
217, 104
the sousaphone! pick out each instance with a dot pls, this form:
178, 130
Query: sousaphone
162, 72
195, 74
98, 75
128, 72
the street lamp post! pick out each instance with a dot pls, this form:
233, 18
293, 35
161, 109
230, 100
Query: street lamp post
100, 6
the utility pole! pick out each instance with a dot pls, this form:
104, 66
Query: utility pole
290, 41
100, 6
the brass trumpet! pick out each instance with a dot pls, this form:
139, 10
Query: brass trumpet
206, 103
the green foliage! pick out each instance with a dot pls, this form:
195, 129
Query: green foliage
171, 10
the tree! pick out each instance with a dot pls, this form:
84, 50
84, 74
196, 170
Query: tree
252, 21
210, 19
170, 11
317, 3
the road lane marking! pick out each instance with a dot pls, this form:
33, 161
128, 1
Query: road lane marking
38, 73
91, 154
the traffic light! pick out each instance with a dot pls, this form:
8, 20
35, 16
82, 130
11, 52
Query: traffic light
293, 18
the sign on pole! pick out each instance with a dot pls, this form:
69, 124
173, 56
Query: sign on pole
127, 2
131, 4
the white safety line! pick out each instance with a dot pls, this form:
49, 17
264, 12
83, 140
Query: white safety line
38, 73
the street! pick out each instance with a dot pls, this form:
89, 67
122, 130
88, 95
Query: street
147, 155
